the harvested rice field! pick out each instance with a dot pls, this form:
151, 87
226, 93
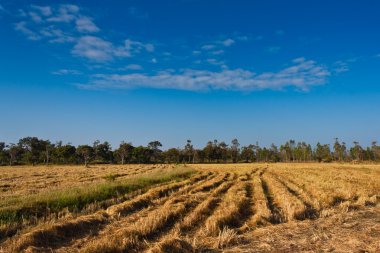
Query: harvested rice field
191, 208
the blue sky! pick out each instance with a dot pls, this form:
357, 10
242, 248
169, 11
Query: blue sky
265, 71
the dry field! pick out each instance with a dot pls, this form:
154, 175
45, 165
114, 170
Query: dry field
193, 208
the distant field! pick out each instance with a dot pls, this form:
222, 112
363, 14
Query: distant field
193, 208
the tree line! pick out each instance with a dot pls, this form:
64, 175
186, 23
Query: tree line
33, 151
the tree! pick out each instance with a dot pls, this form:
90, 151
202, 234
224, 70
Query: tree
222, 151
86, 152
189, 151
124, 151
48, 149
274, 154
339, 150
156, 152
208, 151
172, 155
356, 151
142, 154
33, 148
375, 150
322, 153
64, 153
247, 153
235, 150
102, 152
3, 153
15, 152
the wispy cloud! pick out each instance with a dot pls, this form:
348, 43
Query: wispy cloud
279, 32
214, 61
208, 47
66, 13
228, 42
85, 24
137, 13
273, 49
58, 25
3, 10
217, 52
132, 67
66, 72
218, 43
30, 34
302, 75
98, 49
44, 10
340, 67
66, 23
137, 46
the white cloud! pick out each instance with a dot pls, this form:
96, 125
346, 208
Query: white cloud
85, 24
44, 10
135, 47
341, 67
218, 52
132, 67
214, 61
30, 34
98, 49
66, 13
149, 47
66, 23
208, 47
273, 49
47, 23
66, 72
302, 75
35, 17
228, 42
55, 35
3, 10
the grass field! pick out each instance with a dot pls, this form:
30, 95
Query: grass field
193, 208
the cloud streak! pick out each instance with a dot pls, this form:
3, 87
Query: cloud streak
66, 24
302, 75
45, 22
66, 72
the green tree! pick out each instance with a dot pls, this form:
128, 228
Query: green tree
3, 154
33, 149
64, 154
124, 152
189, 151
357, 152
172, 155
155, 154
15, 152
247, 153
323, 153
235, 150
86, 152
102, 152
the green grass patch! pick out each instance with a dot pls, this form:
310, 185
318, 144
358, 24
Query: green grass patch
39, 205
